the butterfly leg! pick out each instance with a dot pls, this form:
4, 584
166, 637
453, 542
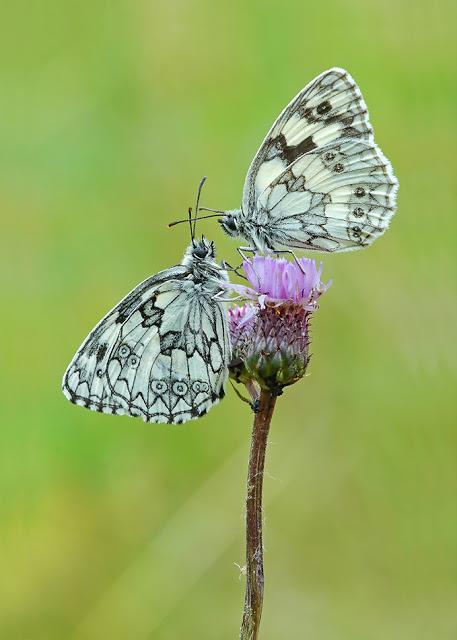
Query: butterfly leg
228, 267
275, 251
291, 253
254, 403
241, 249
254, 251
220, 298
240, 395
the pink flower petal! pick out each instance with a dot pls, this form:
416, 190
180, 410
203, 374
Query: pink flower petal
278, 281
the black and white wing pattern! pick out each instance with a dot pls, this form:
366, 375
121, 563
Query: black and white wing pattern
318, 180
337, 200
162, 353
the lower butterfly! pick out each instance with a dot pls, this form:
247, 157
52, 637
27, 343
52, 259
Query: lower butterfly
162, 353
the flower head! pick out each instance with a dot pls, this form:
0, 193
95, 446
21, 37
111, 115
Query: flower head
276, 281
270, 332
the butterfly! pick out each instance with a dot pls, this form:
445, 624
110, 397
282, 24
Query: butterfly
162, 353
318, 181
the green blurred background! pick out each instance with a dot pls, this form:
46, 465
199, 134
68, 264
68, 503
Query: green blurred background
110, 528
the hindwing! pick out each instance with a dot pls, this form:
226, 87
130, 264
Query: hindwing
337, 198
161, 354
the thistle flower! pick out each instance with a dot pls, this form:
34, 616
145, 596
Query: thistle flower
270, 332
270, 343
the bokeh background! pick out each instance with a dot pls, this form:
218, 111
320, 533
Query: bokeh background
110, 114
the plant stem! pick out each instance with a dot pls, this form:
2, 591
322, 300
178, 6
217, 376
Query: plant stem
254, 546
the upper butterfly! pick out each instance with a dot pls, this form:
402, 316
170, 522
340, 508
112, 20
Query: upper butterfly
318, 181
162, 353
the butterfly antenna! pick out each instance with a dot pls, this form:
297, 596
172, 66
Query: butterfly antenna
200, 187
190, 224
221, 212
172, 224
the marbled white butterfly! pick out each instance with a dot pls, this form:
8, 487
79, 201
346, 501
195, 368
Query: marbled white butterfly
318, 181
163, 352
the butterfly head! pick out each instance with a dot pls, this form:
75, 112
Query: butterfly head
199, 252
199, 258
230, 223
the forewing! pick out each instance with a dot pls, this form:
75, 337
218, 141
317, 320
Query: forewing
337, 198
328, 108
161, 355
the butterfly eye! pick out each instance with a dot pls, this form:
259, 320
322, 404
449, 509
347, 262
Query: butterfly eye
229, 225
200, 251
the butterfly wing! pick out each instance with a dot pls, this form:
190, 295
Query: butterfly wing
161, 354
328, 108
337, 198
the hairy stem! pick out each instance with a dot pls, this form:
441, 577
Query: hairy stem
254, 546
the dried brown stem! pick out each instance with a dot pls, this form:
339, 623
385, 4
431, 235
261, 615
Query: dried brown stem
254, 546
